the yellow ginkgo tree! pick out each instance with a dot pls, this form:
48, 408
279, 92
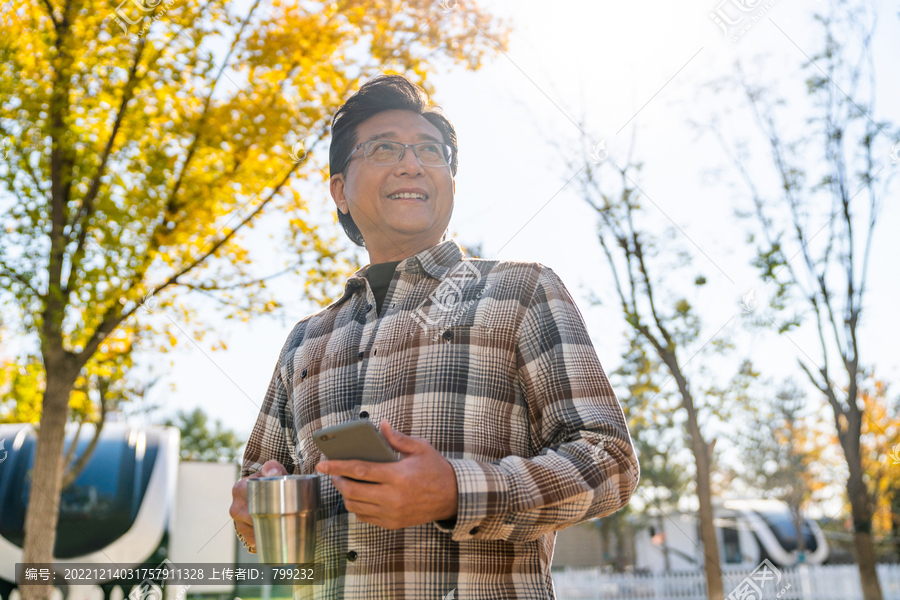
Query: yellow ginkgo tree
140, 139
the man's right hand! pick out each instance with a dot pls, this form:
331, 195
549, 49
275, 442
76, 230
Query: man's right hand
239, 511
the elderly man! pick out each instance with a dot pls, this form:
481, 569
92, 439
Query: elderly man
480, 373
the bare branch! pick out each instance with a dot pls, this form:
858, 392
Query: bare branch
87, 204
13, 274
52, 17
171, 202
242, 284
23, 164
111, 321
71, 452
78, 467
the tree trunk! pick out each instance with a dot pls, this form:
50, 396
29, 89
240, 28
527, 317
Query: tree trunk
865, 558
894, 492
42, 513
862, 531
798, 523
849, 431
604, 542
665, 542
707, 528
701, 452
621, 533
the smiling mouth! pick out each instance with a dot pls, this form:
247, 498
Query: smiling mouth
408, 196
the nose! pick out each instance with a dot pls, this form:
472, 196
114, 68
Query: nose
409, 164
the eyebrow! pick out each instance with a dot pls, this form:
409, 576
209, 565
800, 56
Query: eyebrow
393, 134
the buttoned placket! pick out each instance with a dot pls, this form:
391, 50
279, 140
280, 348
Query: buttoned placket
366, 369
370, 382
370, 367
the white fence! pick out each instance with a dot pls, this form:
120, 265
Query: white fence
93, 592
807, 582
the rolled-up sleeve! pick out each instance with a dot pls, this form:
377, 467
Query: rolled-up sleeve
587, 466
272, 437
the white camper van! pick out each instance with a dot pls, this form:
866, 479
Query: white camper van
748, 532
135, 504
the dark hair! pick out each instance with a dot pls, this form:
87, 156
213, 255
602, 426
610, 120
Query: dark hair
385, 92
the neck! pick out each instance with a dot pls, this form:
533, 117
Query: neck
399, 251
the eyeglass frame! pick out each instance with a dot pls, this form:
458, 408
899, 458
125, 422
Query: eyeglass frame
403, 152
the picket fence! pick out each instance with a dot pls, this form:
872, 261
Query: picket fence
807, 582
93, 592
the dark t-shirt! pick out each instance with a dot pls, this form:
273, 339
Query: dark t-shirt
379, 277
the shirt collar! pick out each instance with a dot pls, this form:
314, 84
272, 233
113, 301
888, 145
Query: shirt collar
435, 261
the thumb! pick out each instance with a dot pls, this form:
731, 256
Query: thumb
273, 468
399, 441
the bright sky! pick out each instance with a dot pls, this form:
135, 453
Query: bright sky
622, 64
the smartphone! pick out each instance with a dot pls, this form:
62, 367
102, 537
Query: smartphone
354, 440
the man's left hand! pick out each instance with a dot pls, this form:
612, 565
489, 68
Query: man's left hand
419, 488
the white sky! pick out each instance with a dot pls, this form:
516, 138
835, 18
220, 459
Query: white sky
608, 60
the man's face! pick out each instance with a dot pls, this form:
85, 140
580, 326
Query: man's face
367, 191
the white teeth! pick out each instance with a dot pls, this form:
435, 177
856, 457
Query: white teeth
407, 195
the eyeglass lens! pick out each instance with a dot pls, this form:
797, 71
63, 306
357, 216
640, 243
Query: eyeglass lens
388, 153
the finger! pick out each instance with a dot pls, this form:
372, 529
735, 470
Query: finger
273, 468
240, 490
377, 520
358, 491
362, 470
399, 441
246, 532
359, 508
366, 513
240, 513
238, 509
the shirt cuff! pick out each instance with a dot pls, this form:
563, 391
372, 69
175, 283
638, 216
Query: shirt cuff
250, 549
483, 502
446, 525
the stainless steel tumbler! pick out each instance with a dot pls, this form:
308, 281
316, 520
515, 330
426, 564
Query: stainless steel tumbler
284, 511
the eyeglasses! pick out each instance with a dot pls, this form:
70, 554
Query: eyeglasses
381, 152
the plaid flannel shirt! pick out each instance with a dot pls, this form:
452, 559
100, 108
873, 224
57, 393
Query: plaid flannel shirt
491, 362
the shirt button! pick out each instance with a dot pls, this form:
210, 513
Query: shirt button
447, 335
361, 354
368, 308
303, 374
363, 415
351, 556
473, 531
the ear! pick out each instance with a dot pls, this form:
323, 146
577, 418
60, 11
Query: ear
453, 181
337, 193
